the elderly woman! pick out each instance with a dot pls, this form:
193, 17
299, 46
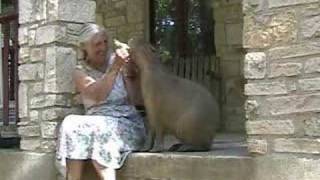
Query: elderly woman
111, 127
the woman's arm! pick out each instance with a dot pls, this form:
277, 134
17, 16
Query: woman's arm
95, 91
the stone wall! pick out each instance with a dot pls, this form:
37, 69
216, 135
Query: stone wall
228, 18
47, 54
282, 68
124, 19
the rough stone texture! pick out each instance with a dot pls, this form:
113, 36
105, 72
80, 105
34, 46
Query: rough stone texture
135, 11
277, 3
285, 69
273, 88
55, 113
24, 54
23, 35
23, 100
294, 51
34, 116
309, 84
37, 54
48, 146
124, 19
263, 31
251, 108
60, 63
312, 127
42, 101
284, 127
115, 21
285, 167
309, 26
29, 131
31, 72
312, 65
257, 146
50, 33
255, 65
48, 129
295, 145
30, 144
293, 104
31, 10
72, 10
35, 88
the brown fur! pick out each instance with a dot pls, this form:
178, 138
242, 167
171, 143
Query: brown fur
174, 106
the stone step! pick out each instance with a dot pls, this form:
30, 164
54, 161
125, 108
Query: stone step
228, 160
17, 165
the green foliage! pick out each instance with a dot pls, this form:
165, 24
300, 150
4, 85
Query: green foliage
166, 30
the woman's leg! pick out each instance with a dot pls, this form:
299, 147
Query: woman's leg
103, 172
74, 169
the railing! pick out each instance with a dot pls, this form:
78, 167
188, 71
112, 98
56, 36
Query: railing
200, 69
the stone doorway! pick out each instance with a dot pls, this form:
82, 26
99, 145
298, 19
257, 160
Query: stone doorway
125, 19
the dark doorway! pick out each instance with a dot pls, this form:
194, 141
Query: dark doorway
10, 49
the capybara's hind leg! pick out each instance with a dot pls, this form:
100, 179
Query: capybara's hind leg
158, 141
149, 140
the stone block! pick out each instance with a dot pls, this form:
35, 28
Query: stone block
251, 109
278, 167
32, 37
37, 54
31, 11
261, 31
257, 146
310, 27
23, 35
60, 62
233, 32
312, 127
136, 11
34, 116
71, 10
285, 69
48, 146
31, 72
35, 88
55, 113
310, 84
312, 65
30, 144
255, 65
282, 3
279, 127
115, 21
48, 129
292, 104
24, 54
29, 131
50, 33
23, 100
258, 89
294, 51
42, 101
297, 145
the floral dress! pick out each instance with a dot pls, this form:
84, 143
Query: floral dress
107, 133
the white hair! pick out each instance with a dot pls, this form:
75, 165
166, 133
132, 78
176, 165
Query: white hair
88, 30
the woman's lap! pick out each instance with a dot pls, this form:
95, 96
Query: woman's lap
101, 138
